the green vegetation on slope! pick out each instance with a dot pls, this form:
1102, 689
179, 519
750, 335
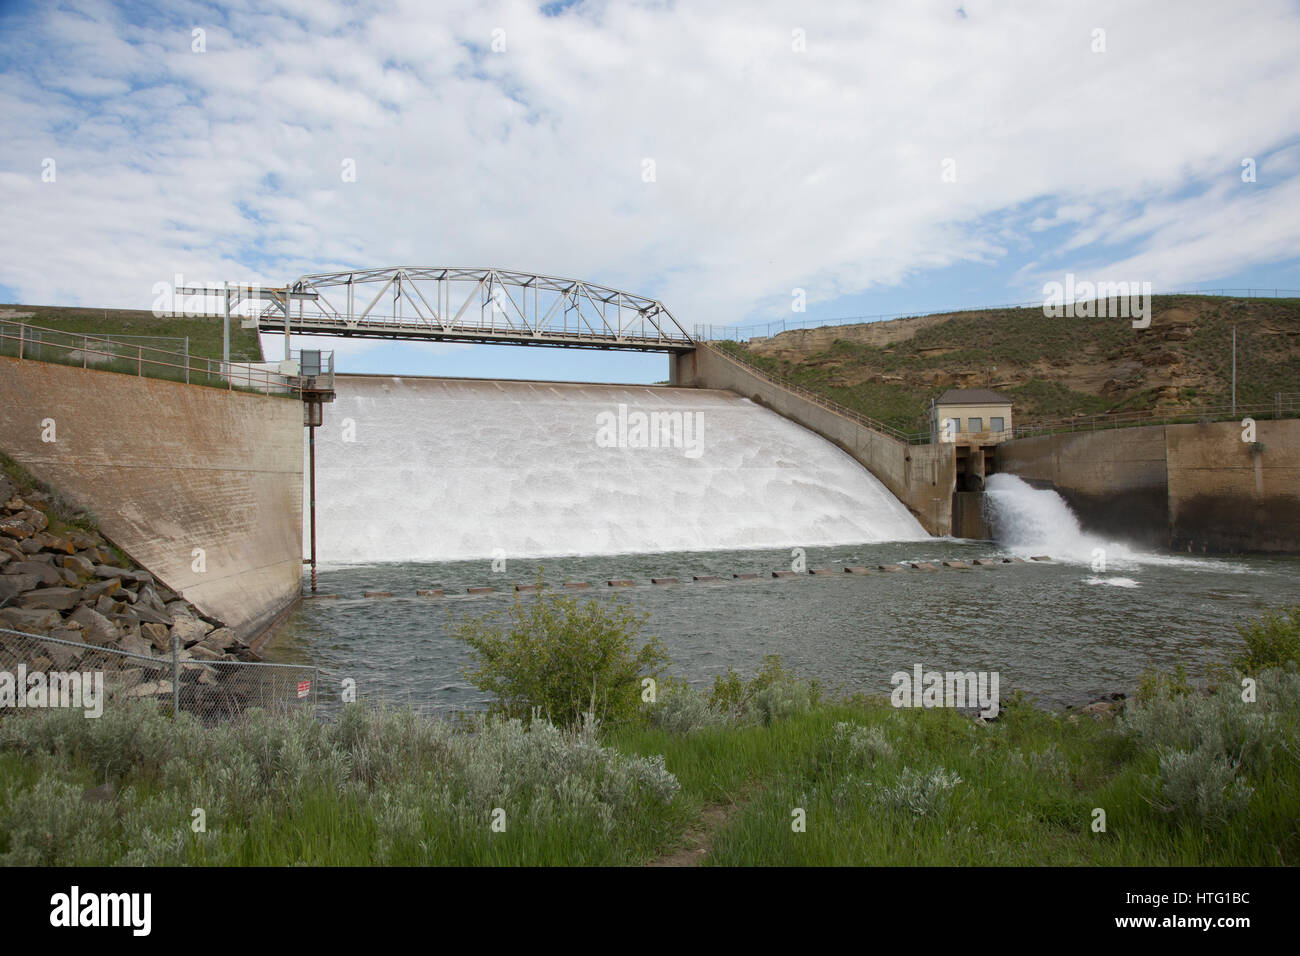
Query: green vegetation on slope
1052, 368
204, 332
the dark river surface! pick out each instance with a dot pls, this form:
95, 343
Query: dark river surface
1059, 631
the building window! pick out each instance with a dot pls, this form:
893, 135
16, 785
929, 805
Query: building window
997, 424
977, 425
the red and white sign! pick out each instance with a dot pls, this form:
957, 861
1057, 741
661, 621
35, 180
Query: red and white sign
304, 688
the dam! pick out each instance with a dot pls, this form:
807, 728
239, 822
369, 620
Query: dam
522, 470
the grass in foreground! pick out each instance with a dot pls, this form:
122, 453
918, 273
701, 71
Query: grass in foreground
1184, 778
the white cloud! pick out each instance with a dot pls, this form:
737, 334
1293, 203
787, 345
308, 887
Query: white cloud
774, 169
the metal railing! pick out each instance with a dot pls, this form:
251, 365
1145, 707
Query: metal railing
913, 438
31, 342
1284, 405
743, 333
211, 690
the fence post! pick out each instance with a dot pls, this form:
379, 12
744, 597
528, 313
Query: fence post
176, 675
139, 360
85, 344
22, 334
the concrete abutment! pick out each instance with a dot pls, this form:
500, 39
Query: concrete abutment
202, 486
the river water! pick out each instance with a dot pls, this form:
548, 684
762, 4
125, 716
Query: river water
1059, 631
502, 479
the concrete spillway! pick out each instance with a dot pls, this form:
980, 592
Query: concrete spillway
411, 469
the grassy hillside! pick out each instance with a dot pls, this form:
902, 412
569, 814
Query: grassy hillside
204, 332
1051, 367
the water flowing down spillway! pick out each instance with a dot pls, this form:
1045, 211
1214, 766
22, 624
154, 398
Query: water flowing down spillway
418, 469
1031, 521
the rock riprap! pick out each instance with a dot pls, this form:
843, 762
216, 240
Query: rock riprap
73, 587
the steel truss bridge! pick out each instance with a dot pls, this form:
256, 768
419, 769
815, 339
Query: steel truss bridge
466, 305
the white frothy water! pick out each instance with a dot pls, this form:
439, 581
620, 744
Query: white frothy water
444, 469
1032, 521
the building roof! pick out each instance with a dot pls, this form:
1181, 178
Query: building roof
972, 396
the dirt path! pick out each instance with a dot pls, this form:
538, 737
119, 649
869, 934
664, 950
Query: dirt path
699, 838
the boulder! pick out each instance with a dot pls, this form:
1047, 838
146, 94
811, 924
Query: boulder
35, 518
200, 653
46, 573
149, 597
157, 635
84, 540
189, 630
12, 585
98, 629
110, 586
60, 599
221, 640
133, 643
61, 545
179, 609
78, 565
150, 688
65, 658
123, 615
199, 674
16, 527
31, 620
35, 544
145, 613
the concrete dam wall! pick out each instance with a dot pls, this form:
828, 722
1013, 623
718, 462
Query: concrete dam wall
166, 468
1182, 487
922, 477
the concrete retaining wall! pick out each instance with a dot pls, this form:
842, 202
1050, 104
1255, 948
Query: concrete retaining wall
166, 468
920, 476
1183, 487
1114, 480
1226, 495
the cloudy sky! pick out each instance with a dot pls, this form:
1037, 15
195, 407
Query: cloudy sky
883, 157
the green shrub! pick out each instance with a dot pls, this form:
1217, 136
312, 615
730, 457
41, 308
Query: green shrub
1202, 784
416, 778
924, 794
771, 694
682, 710
1210, 745
1155, 684
558, 658
1271, 641
858, 746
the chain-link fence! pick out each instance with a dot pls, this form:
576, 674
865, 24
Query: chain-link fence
49, 672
